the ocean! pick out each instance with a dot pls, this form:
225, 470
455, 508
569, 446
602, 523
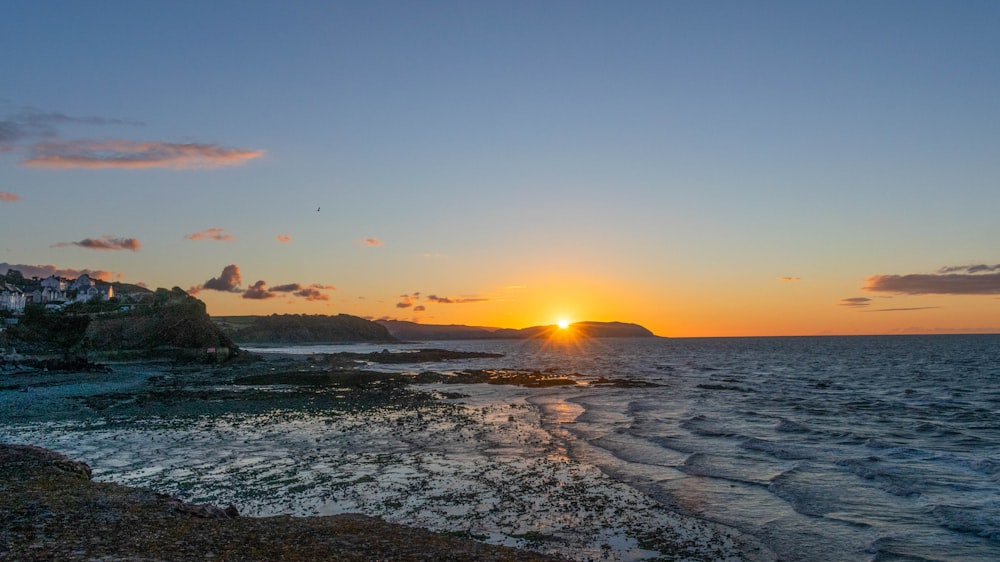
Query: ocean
881, 448
878, 448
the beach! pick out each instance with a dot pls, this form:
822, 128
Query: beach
466, 460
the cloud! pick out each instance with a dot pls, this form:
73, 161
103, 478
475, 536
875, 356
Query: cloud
211, 234
372, 242
419, 308
314, 292
258, 291
8, 197
970, 283
228, 282
790, 279
284, 238
979, 268
106, 242
408, 300
42, 271
903, 309
31, 125
450, 300
38, 134
131, 154
856, 302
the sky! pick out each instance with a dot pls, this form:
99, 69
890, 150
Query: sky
726, 168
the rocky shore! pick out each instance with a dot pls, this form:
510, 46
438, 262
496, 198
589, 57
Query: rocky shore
50, 509
300, 446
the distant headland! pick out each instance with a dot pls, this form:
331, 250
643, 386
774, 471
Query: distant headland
344, 328
413, 331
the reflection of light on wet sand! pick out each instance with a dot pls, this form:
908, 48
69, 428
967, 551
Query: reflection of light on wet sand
565, 412
558, 411
483, 466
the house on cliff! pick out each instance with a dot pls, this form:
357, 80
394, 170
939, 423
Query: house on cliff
82, 282
55, 283
98, 292
53, 292
12, 298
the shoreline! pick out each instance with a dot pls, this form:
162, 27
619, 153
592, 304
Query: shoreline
471, 460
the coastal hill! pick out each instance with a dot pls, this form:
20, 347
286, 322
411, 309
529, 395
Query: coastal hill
166, 320
404, 330
302, 329
136, 322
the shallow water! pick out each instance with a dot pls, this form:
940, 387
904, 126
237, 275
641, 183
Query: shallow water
833, 448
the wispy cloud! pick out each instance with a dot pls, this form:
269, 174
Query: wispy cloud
856, 302
958, 280
42, 271
903, 309
30, 125
219, 234
419, 308
228, 282
132, 154
8, 197
106, 242
789, 279
977, 268
38, 135
372, 242
455, 300
284, 238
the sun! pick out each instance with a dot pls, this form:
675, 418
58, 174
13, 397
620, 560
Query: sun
563, 323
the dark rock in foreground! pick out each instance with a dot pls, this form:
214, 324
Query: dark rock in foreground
417, 356
51, 510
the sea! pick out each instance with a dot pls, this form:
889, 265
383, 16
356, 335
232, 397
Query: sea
862, 448
881, 448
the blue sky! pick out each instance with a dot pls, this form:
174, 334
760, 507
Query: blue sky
725, 168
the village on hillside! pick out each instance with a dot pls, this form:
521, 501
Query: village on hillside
53, 292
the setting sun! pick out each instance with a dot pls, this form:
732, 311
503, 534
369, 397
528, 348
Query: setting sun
563, 324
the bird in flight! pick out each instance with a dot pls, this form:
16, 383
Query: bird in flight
317, 209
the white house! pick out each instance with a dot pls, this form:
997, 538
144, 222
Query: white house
103, 292
47, 295
82, 282
12, 298
56, 283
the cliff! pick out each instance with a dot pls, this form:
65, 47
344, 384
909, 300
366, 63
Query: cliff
162, 323
169, 320
302, 329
